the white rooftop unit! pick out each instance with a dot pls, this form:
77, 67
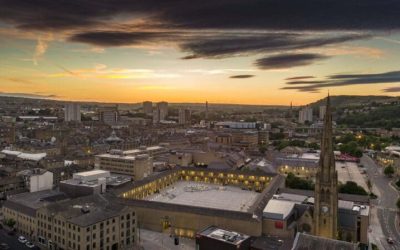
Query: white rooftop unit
91, 175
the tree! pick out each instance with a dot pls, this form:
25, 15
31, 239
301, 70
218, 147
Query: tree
389, 171
314, 145
295, 182
10, 222
352, 188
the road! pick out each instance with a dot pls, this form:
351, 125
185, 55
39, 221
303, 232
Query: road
385, 205
11, 241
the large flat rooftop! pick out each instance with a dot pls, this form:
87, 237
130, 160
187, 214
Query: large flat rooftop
206, 195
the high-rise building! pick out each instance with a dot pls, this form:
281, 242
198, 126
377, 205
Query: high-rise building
326, 184
184, 116
322, 111
156, 116
160, 113
163, 110
305, 114
148, 108
72, 112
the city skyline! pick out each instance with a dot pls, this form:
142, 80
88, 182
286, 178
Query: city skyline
241, 52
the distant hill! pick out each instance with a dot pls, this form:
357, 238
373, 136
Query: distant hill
341, 101
364, 111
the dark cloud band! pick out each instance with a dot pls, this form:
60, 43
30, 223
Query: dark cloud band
288, 61
339, 80
241, 76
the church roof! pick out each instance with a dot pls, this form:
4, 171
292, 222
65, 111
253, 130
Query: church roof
311, 242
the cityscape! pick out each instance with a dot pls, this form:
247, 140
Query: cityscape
200, 125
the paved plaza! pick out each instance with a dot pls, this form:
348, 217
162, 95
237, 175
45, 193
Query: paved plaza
207, 195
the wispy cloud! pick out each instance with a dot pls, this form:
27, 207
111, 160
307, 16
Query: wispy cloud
155, 87
29, 95
101, 71
299, 78
41, 47
219, 71
339, 80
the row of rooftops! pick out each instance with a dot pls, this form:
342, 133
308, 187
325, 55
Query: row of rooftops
97, 177
82, 211
24, 156
134, 154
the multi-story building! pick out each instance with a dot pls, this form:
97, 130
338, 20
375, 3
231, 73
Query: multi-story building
11, 184
22, 209
72, 112
138, 166
85, 183
305, 114
37, 179
108, 115
245, 139
7, 132
224, 138
86, 223
156, 116
148, 108
163, 110
53, 221
263, 137
184, 116
160, 113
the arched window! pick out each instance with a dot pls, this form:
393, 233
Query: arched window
327, 196
322, 195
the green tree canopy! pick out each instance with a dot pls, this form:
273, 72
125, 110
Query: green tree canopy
352, 188
389, 171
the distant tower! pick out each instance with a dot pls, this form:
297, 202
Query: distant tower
322, 111
148, 108
163, 110
326, 184
306, 114
72, 112
206, 116
291, 111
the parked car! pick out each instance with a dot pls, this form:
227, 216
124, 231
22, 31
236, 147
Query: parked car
22, 239
390, 240
29, 244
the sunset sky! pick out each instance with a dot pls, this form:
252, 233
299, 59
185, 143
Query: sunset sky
224, 51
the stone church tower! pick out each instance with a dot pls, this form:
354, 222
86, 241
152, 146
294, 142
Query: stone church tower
326, 184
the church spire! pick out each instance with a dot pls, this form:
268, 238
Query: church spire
327, 158
326, 183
